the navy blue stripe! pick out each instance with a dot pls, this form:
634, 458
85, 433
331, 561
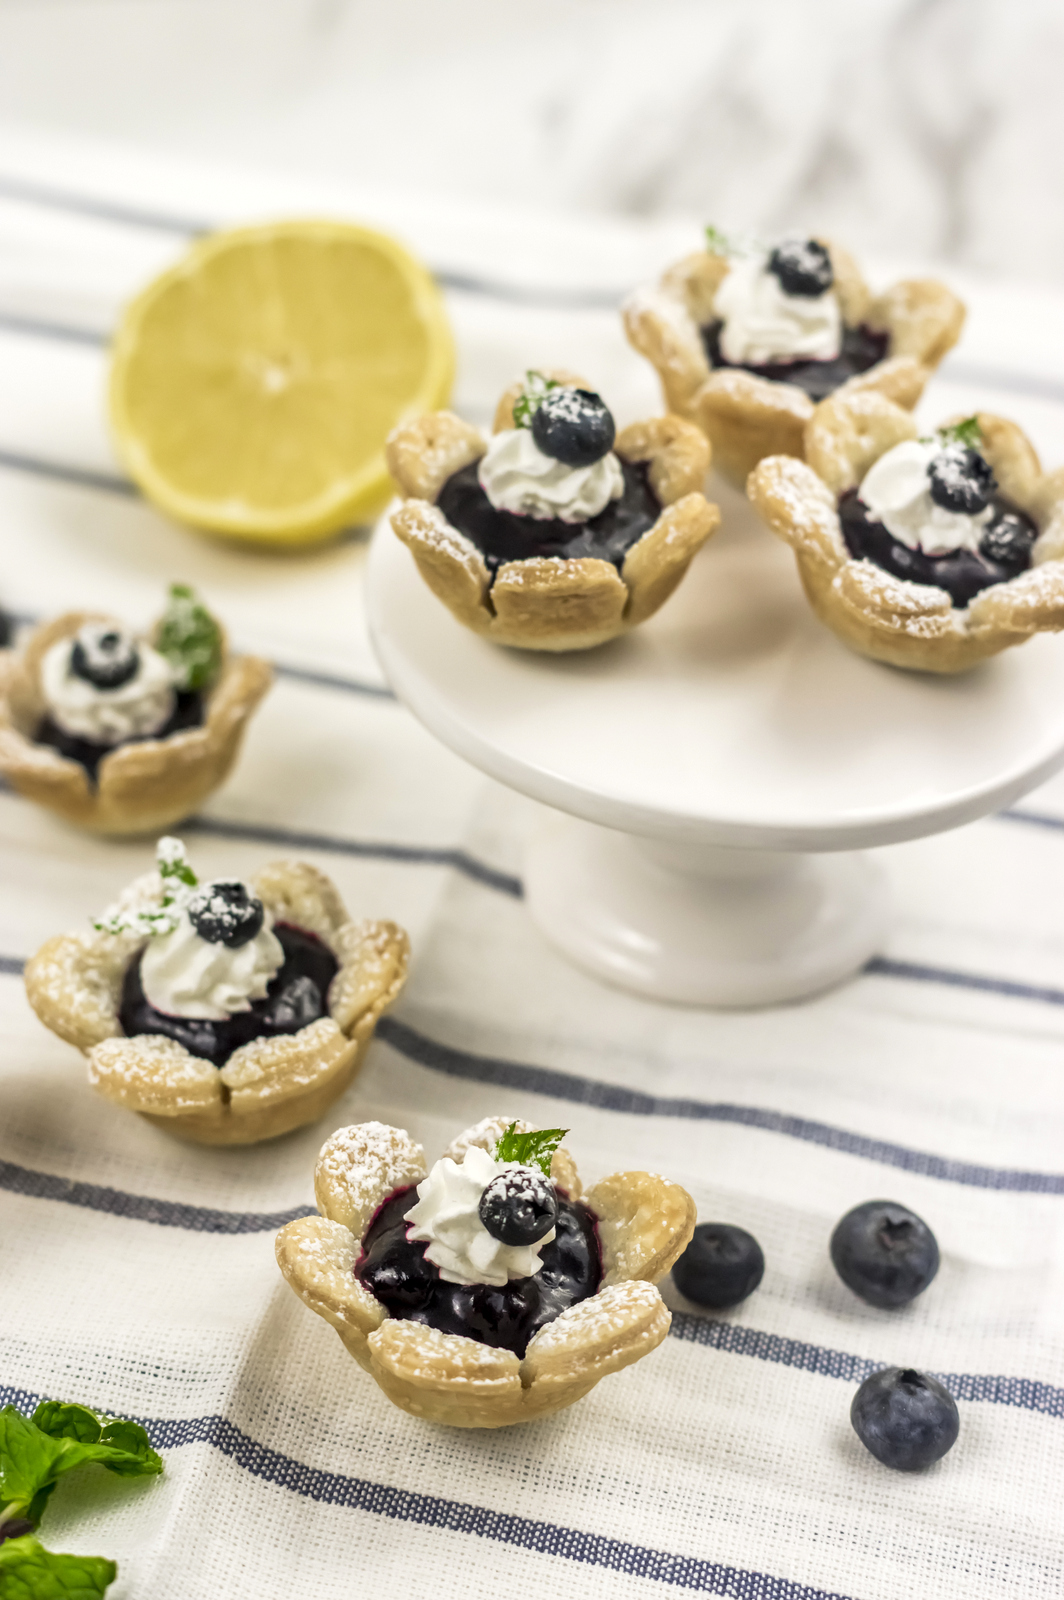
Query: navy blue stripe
50, 198
418, 855
82, 477
1027, 1394
916, 972
523, 1077
457, 1516
141, 1207
1033, 819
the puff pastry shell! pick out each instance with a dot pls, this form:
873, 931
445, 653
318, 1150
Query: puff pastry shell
142, 787
644, 1224
748, 417
267, 1087
908, 624
551, 603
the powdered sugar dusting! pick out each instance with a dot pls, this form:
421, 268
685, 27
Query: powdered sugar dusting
606, 1318
360, 1166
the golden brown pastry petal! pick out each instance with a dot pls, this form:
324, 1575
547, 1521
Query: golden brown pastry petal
450, 564
849, 431
423, 454
657, 562
74, 982
659, 326
546, 603
604, 1334
749, 417
923, 317
153, 1074
799, 508
318, 1258
645, 1223
1013, 458
359, 1167
677, 452
851, 290
898, 378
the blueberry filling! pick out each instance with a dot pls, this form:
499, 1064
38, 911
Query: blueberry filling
503, 536
297, 995
573, 426
1004, 549
409, 1287
802, 267
861, 348
187, 713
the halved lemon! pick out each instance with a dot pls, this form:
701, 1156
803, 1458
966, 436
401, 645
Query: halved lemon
253, 384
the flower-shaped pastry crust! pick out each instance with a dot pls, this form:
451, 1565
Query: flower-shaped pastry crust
142, 786
748, 416
644, 1224
883, 616
266, 1087
551, 603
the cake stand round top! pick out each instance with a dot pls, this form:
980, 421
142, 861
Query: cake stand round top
732, 717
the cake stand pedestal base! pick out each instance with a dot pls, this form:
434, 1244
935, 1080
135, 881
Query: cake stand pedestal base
702, 924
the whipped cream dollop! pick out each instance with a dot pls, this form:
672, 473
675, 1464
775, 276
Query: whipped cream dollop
897, 491
139, 706
516, 476
763, 324
185, 975
447, 1218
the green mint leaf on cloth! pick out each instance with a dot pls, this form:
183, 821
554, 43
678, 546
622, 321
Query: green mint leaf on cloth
533, 1149
537, 387
717, 243
30, 1572
966, 433
36, 1451
190, 639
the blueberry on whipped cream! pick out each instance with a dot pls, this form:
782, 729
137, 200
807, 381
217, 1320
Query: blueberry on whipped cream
776, 314
214, 970
930, 511
448, 1219
558, 461
105, 686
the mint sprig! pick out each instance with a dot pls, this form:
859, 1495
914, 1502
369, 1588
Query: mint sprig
534, 1149
535, 391
150, 921
717, 243
35, 1452
966, 432
190, 639
30, 1572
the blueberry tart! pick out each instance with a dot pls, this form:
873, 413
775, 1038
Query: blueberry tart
224, 1012
559, 533
931, 552
489, 1290
120, 733
747, 342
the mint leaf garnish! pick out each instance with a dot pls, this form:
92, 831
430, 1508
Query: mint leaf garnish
36, 1451
190, 639
967, 433
149, 921
30, 1572
536, 388
717, 243
533, 1149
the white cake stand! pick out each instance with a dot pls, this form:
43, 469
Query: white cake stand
712, 773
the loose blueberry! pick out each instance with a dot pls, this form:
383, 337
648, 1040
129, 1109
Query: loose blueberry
905, 1418
225, 913
720, 1267
802, 267
885, 1253
519, 1206
104, 656
573, 426
961, 479
1008, 541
